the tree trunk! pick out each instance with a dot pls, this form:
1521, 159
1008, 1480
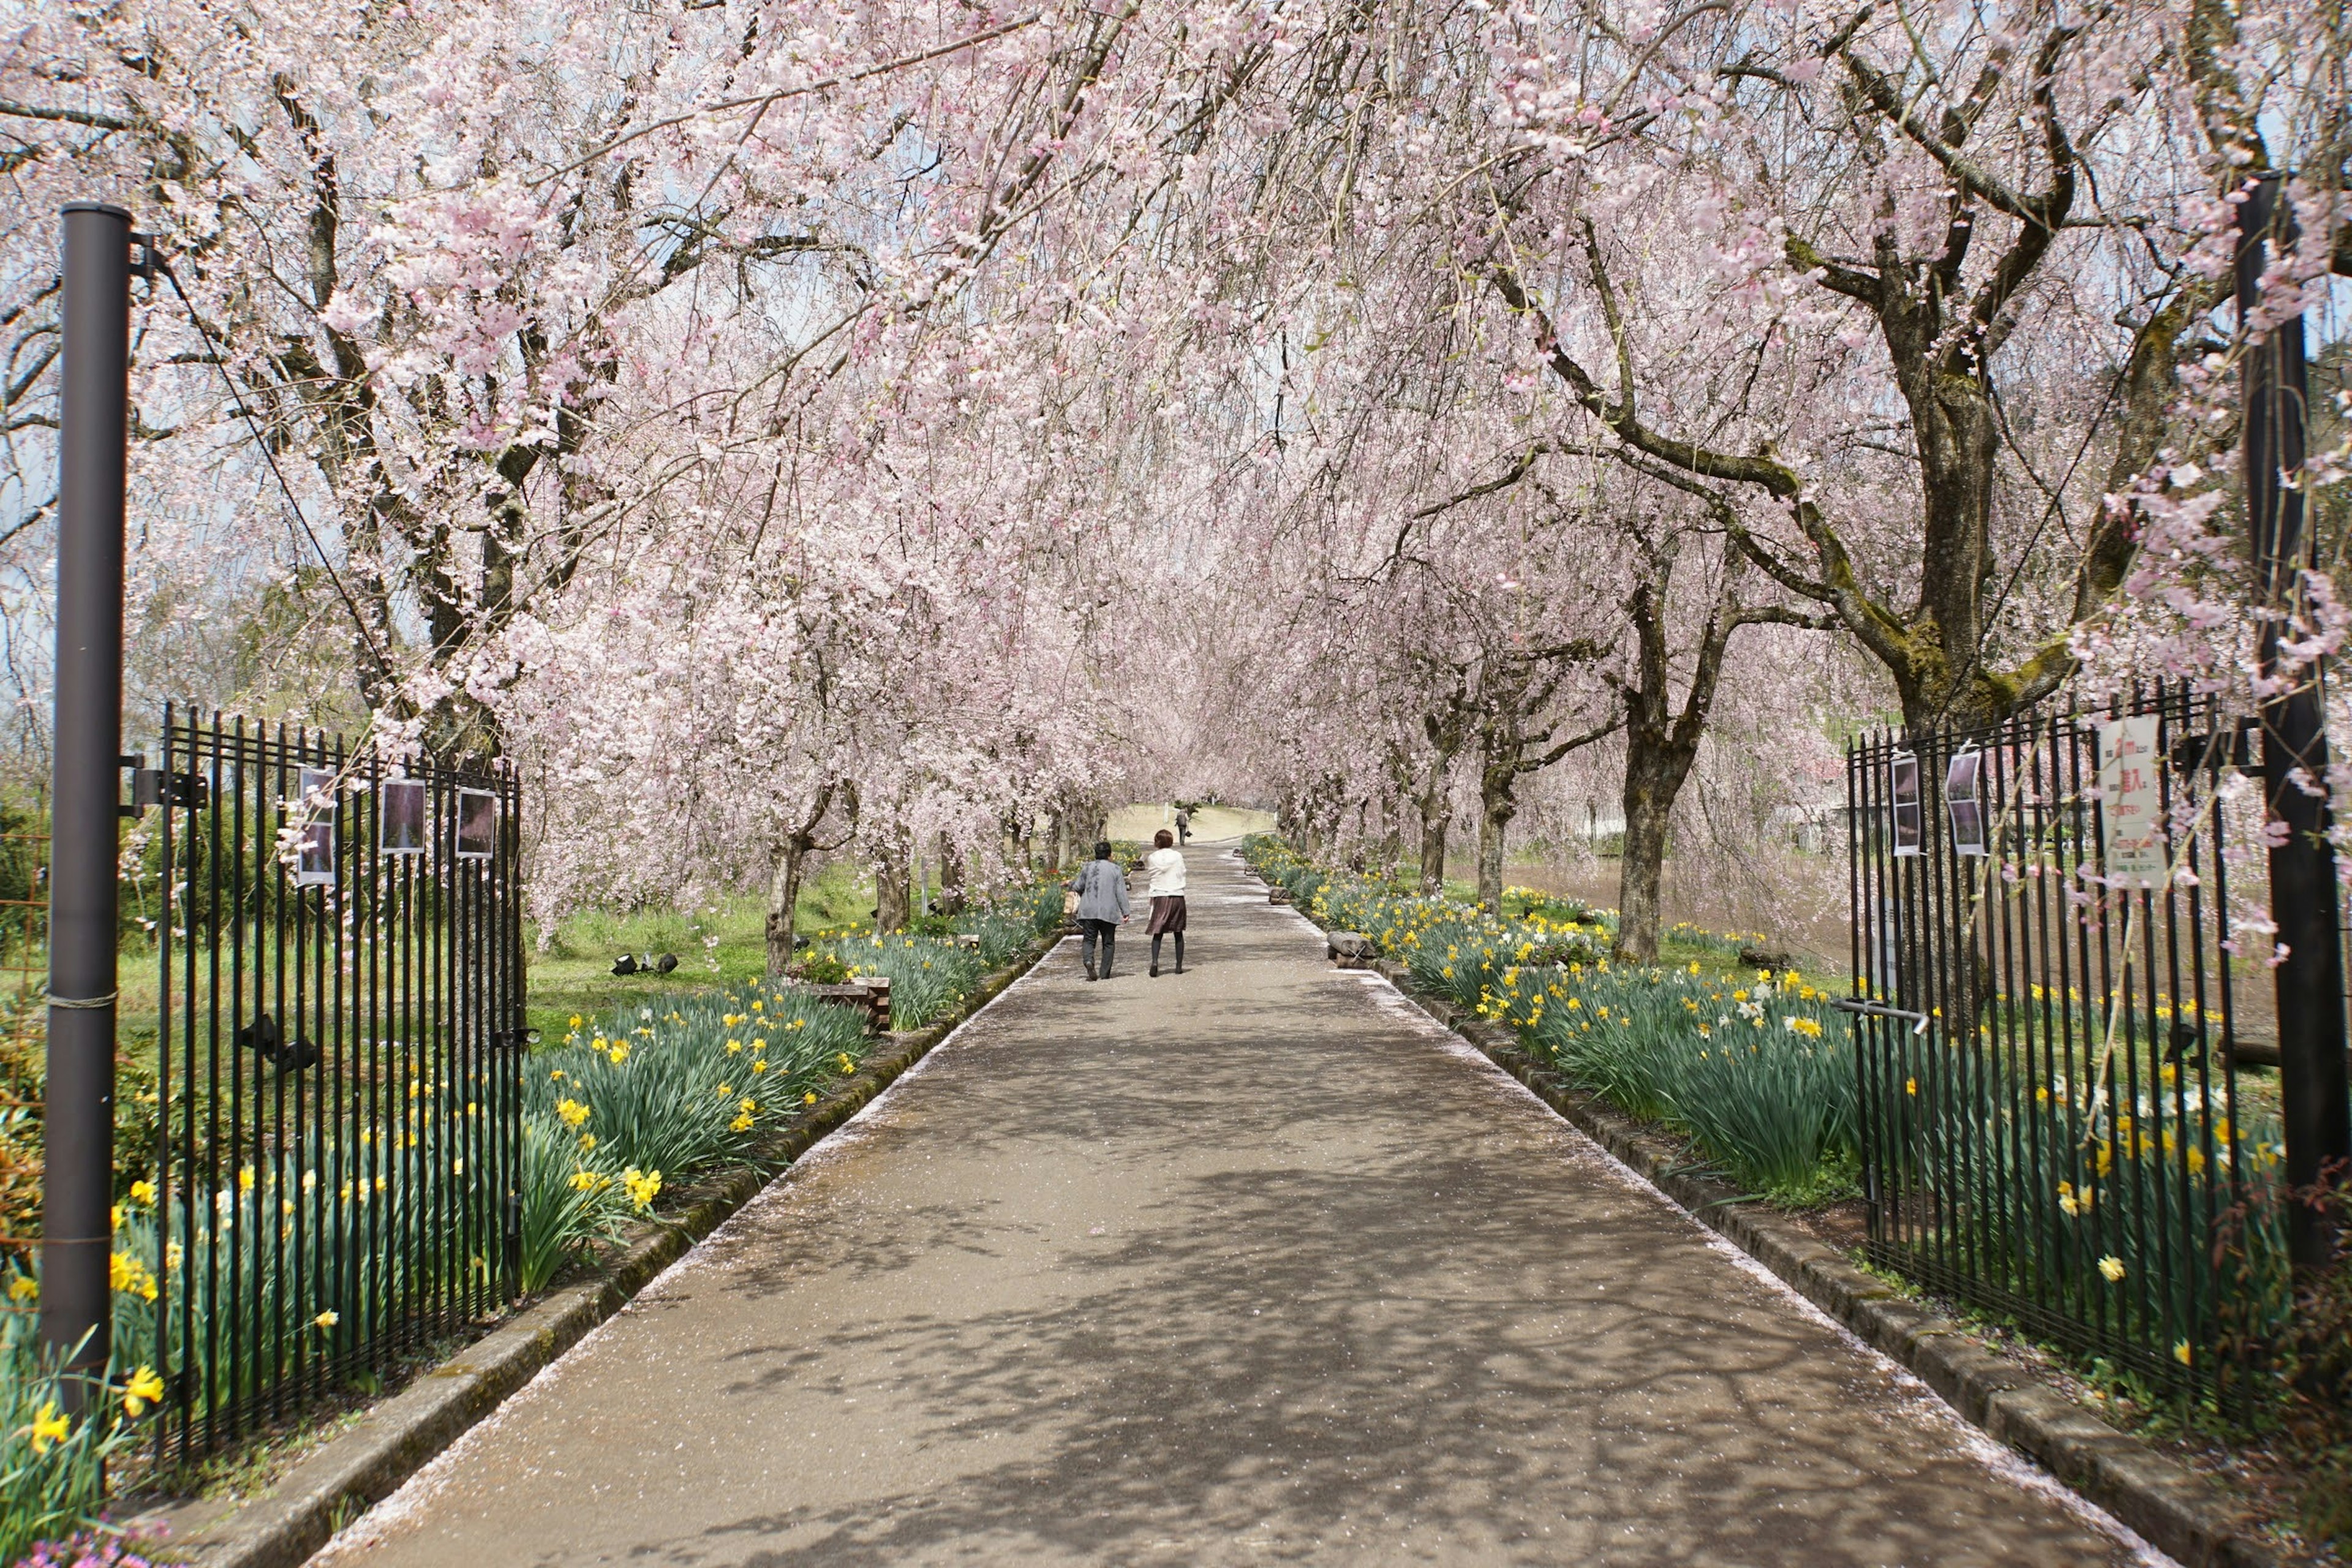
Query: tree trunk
1434, 802
1654, 777
1494, 816
951, 901
891, 895
783, 893
1436, 822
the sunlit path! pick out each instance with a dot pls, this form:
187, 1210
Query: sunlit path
1244, 1265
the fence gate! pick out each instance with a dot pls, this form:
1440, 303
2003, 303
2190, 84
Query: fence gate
338, 1059
2050, 1119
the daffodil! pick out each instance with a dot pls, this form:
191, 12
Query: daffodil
144, 1388
48, 1427
2112, 1266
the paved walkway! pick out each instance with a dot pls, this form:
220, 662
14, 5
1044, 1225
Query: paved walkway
1251, 1266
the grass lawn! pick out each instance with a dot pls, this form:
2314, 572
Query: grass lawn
573, 975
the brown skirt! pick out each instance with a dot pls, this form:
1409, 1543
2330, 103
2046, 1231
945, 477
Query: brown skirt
1167, 915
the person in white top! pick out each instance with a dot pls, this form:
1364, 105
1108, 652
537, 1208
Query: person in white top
1165, 865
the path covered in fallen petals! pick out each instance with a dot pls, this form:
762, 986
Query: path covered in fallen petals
1252, 1265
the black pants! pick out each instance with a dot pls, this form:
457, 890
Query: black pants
1093, 931
1179, 949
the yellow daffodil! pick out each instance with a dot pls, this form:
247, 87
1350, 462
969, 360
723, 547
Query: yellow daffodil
143, 1389
48, 1427
2112, 1266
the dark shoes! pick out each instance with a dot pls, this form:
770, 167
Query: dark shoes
1155, 971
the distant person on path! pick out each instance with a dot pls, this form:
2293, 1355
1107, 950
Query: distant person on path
1166, 866
1183, 827
1102, 888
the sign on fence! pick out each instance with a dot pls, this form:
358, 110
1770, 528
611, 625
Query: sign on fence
2130, 808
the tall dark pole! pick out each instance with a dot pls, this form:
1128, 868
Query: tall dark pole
2312, 1089
76, 1237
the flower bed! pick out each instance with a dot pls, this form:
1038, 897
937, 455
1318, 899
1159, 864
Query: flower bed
1756, 1069
640, 1099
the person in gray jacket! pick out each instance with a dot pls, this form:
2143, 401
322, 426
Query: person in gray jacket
1102, 888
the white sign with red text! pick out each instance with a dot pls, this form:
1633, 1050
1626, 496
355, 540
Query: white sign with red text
2131, 806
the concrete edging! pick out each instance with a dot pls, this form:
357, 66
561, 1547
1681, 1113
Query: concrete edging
2169, 1505
285, 1524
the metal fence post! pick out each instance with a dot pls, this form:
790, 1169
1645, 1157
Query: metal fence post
2312, 1088
76, 1235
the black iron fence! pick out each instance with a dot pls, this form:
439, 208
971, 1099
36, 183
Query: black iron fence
338, 1069
2052, 1125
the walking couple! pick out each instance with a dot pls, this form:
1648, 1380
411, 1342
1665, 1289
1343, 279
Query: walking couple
1102, 909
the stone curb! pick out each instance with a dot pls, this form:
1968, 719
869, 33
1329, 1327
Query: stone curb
284, 1525
2169, 1505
